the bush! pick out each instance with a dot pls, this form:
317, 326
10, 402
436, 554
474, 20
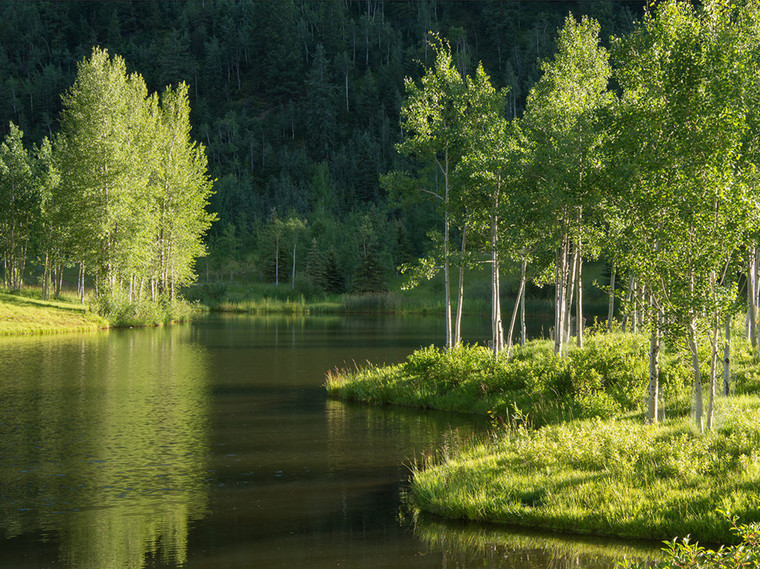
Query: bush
119, 312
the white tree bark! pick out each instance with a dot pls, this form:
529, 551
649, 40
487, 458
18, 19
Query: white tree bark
654, 370
727, 357
611, 306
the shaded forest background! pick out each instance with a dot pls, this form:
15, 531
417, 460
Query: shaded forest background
297, 104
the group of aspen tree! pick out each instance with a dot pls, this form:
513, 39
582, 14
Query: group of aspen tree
645, 154
120, 190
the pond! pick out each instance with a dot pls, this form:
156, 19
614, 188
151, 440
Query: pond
213, 444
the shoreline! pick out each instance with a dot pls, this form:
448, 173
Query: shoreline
568, 449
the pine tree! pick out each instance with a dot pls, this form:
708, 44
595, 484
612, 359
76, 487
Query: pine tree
333, 277
370, 274
315, 266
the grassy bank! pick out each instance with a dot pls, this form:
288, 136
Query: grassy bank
27, 312
607, 378
28, 315
593, 466
606, 477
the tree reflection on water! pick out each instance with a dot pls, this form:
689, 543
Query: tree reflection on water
104, 444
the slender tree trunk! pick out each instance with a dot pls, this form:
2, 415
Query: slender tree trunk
520, 295
755, 299
635, 312
727, 357
293, 273
46, 277
276, 262
569, 296
627, 304
523, 332
59, 283
654, 369
446, 264
460, 291
713, 372
751, 306
497, 329
579, 300
80, 282
560, 298
611, 306
697, 385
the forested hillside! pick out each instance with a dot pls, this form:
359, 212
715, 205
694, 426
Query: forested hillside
297, 104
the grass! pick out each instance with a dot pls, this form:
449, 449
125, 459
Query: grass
255, 297
606, 477
26, 312
23, 315
607, 378
570, 450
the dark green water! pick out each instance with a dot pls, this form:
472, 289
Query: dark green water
214, 445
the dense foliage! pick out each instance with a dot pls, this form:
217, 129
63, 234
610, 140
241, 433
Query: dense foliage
296, 102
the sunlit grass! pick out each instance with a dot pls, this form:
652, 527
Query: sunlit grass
607, 378
569, 449
606, 477
29, 315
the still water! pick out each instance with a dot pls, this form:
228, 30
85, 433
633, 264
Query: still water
213, 445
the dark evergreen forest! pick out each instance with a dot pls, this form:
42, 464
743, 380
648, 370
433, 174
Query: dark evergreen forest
297, 104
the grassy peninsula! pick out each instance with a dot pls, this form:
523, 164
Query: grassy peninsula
569, 449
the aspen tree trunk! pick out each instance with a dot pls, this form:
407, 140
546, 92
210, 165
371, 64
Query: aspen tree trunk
46, 278
751, 306
697, 386
727, 357
627, 303
276, 262
80, 283
755, 300
497, 328
460, 292
713, 372
570, 294
559, 299
293, 273
59, 284
611, 306
635, 312
446, 271
654, 369
523, 332
520, 296
579, 300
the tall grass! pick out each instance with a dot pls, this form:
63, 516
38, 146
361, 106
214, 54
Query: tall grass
119, 311
607, 378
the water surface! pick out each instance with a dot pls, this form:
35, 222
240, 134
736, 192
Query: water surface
214, 445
